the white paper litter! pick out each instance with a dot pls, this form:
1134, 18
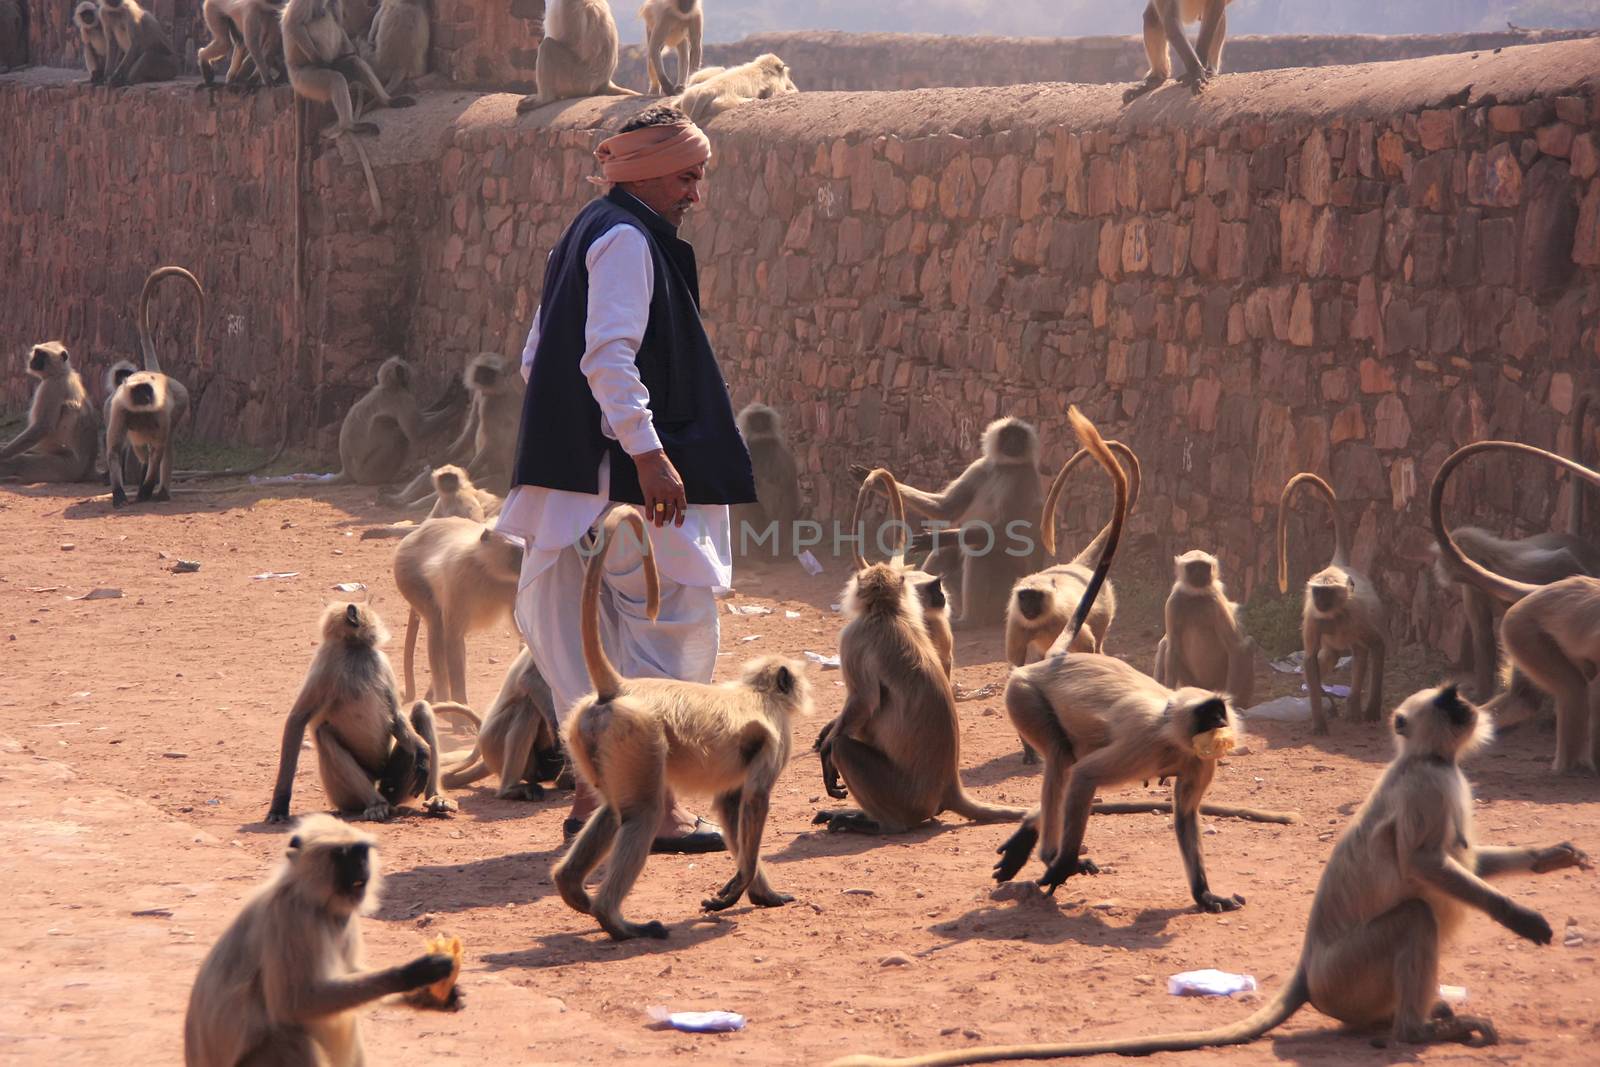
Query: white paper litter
1340, 691
809, 562
696, 1022
1454, 995
827, 663
1210, 983
350, 587
1280, 709
1294, 663
791, 614
265, 575
292, 479
748, 609
749, 637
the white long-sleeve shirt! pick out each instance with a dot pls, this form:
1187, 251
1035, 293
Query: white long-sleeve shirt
621, 284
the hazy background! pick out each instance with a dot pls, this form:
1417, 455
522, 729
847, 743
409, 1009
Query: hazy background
728, 20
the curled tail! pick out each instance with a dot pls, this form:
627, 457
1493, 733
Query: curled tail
1047, 519
1505, 589
897, 505
462, 768
151, 363
1091, 440
1341, 537
1270, 1015
411, 651
602, 674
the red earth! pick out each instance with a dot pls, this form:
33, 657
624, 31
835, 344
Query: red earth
139, 738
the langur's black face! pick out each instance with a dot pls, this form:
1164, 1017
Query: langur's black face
1326, 598
143, 393
1211, 715
485, 377
1032, 602
87, 17
121, 376
1013, 441
352, 868
39, 361
932, 593
1197, 573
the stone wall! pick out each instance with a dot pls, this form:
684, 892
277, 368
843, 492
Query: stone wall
857, 61
1348, 270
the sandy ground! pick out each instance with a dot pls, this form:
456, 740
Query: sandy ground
139, 736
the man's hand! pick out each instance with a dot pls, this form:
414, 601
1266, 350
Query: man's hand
664, 501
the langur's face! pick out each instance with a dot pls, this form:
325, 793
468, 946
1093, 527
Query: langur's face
1197, 573
671, 196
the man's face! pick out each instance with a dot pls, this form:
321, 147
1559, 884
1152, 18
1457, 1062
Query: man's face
670, 196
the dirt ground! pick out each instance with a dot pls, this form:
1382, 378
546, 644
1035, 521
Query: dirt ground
139, 738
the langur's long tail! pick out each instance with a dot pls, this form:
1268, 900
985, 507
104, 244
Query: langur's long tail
970, 807
412, 621
1501, 588
1273, 1014
1090, 438
602, 674
897, 505
1341, 537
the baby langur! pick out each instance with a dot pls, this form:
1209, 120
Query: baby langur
1551, 632
58, 444
578, 55
147, 406
372, 758
1342, 613
455, 497
1204, 645
636, 738
147, 53
715, 90
459, 577
283, 983
675, 24
518, 740
1400, 880
1163, 25
96, 44
897, 742
995, 501
777, 481
321, 60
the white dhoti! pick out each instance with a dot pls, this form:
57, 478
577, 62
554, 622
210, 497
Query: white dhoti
681, 643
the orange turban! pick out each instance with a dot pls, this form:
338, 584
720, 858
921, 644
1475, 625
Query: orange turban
651, 152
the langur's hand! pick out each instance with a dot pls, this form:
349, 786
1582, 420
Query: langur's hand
1527, 923
426, 970
1559, 856
664, 500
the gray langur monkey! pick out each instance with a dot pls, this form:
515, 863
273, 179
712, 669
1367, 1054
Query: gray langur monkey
456, 497
321, 61
929, 587
715, 90
1163, 25
459, 577
246, 31
636, 738
282, 984
147, 52
677, 24
1551, 632
145, 410
518, 740
487, 444
382, 430
1538, 560
96, 42
1204, 645
995, 503
397, 42
1342, 613
578, 56
58, 443
1400, 880
777, 479
371, 756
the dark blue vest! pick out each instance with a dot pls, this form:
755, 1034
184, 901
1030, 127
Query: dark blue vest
560, 443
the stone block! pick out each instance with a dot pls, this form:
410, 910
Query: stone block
1494, 178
